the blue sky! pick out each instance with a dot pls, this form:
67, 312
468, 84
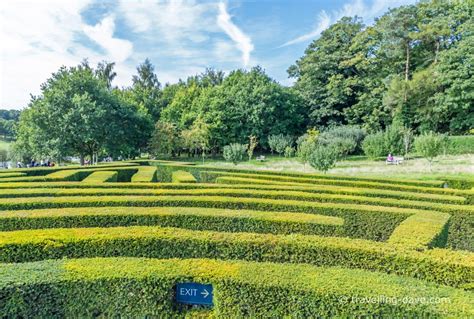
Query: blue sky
181, 38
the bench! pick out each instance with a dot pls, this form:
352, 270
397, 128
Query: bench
397, 160
261, 158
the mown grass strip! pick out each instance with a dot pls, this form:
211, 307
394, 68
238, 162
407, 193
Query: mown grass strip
360, 221
183, 217
422, 231
104, 285
101, 177
438, 265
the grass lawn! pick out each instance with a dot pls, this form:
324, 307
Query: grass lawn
450, 165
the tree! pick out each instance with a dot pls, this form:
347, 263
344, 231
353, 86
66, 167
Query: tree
306, 144
323, 158
429, 145
374, 145
197, 137
252, 145
105, 72
234, 152
76, 114
279, 143
146, 89
166, 139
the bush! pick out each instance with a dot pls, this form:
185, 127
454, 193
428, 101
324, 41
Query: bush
101, 177
234, 152
460, 145
88, 287
289, 151
149, 283
182, 177
342, 146
279, 143
353, 134
429, 145
145, 174
374, 145
441, 266
393, 139
323, 158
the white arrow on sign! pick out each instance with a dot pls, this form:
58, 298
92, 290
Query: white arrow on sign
205, 293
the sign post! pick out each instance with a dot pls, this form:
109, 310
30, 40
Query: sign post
192, 293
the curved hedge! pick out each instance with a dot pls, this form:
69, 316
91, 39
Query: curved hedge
437, 265
182, 177
182, 217
145, 174
137, 287
101, 177
360, 221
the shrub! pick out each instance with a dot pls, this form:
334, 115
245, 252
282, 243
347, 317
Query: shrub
234, 152
342, 146
101, 177
252, 145
182, 177
436, 265
429, 145
289, 151
352, 133
393, 139
323, 158
270, 292
460, 145
374, 145
82, 287
145, 174
279, 143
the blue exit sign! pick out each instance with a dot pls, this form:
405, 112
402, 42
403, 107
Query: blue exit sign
194, 294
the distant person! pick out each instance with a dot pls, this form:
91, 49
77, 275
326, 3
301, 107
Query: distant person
390, 157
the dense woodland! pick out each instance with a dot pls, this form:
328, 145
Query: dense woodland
412, 69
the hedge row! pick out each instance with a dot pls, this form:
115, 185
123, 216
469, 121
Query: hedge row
124, 175
101, 177
360, 221
437, 265
7, 175
421, 231
138, 287
145, 174
41, 171
458, 197
182, 177
18, 189
182, 217
391, 181
210, 176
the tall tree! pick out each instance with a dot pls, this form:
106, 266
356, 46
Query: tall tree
105, 71
146, 89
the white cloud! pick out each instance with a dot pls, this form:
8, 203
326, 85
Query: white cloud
243, 42
354, 8
37, 38
118, 50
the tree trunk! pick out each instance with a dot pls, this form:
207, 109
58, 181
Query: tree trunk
407, 63
82, 160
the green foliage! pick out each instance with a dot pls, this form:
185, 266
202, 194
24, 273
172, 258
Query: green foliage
429, 145
145, 287
101, 177
252, 145
234, 152
306, 144
323, 158
278, 143
374, 145
393, 139
145, 174
289, 152
460, 145
165, 140
350, 135
182, 177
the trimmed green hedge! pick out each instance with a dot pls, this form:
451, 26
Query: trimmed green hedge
182, 217
41, 171
145, 174
182, 177
463, 144
437, 265
422, 231
210, 176
7, 175
101, 177
138, 287
360, 221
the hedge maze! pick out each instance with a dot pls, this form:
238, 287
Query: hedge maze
114, 241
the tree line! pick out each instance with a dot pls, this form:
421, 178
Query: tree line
412, 69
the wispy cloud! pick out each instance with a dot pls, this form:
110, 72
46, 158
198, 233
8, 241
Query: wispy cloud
243, 42
367, 11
